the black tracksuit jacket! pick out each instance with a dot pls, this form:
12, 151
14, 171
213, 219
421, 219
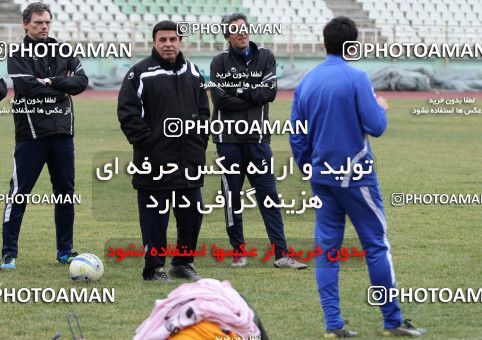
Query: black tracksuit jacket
33, 116
249, 104
152, 91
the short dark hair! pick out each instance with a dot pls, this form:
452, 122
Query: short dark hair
165, 25
336, 32
229, 18
35, 7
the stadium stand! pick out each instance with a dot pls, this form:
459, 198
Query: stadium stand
302, 21
429, 21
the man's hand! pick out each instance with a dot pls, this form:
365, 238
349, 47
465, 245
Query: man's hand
43, 82
382, 102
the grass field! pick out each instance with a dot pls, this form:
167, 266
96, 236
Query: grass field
432, 245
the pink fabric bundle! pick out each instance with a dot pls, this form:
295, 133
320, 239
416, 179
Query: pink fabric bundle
190, 303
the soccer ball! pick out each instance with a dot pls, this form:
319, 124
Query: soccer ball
86, 267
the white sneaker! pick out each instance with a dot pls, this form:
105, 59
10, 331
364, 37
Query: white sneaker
288, 262
239, 261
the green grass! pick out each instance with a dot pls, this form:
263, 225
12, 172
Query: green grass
432, 246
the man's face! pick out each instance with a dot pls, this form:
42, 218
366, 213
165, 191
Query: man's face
239, 40
167, 44
39, 26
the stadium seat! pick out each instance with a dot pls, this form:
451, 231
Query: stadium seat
162, 16
177, 17
191, 18
134, 17
78, 16
149, 18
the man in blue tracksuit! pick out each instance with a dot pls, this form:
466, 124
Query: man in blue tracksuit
341, 109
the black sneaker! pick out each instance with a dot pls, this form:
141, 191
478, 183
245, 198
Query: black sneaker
8, 262
405, 329
184, 271
66, 259
159, 275
340, 333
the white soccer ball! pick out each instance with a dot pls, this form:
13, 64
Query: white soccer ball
86, 267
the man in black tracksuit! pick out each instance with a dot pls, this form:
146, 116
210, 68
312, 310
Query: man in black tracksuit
248, 104
159, 92
44, 130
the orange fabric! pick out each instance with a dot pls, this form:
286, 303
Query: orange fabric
204, 330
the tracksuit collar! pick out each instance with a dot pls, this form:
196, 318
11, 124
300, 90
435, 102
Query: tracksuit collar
178, 64
253, 50
334, 59
27, 40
